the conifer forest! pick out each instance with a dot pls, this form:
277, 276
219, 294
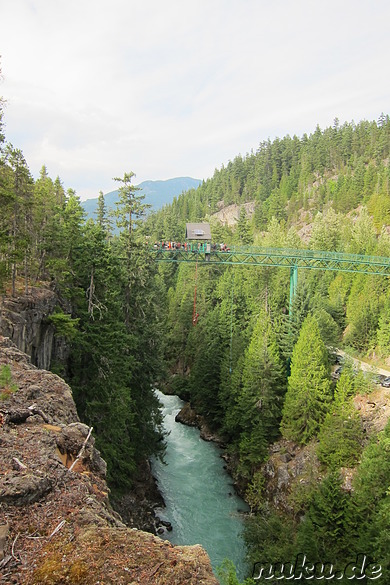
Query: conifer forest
261, 375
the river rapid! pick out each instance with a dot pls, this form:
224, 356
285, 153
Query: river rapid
199, 495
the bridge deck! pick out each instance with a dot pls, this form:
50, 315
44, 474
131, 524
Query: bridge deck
281, 257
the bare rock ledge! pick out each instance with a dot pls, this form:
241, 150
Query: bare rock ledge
56, 524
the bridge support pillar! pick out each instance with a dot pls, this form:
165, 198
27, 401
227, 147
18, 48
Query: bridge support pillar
293, 287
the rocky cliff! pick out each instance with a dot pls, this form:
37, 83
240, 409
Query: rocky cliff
25, 320
56, 522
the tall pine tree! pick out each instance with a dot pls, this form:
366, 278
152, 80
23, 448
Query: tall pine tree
309, 388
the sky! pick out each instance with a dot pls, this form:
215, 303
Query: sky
98, 88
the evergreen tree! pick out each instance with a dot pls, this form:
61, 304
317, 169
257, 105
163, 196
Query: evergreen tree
205, 376
341, 434
327, 231
102, 215
129, 206
322, 534
19, 218
260, 400
243, 228
309, 389
114, 361
363, 309
383, 332
59, 192
42, 219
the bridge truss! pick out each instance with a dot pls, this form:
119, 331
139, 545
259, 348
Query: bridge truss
293, 259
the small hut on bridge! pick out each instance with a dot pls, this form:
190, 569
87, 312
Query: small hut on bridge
198, 231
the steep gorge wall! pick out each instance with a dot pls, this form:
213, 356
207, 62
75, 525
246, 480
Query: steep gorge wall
24, 319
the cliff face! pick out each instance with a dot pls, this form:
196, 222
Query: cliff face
24, 320
56, 522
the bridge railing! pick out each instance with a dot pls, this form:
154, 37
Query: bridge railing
298, 253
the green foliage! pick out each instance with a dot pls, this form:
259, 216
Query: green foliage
383, 332
327, 231
113, 325
260, 399
269, 535
322, 533
363, 309
115, 359
363, 234
7, 385
255, 492
372, 480
309, 389
380, 537
368, 522
131, 325
129, 207
245, 343
341, 434
205, 376
227, 575
64, 324
329, 329
243, 229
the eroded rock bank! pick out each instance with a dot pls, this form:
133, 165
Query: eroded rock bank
56, 521
188, 416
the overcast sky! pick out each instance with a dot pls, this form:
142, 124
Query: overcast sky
169, 88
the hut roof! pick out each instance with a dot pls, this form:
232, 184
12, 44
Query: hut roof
198, 231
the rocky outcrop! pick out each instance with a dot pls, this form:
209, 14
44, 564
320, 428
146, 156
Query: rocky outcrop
137, 506
289, 469
188, 416
374, 409
56, 521
24, 319
229, 215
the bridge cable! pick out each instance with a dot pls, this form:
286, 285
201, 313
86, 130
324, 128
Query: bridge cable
195, 315
231, 323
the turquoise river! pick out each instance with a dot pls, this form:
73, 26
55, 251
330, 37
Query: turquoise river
199, 496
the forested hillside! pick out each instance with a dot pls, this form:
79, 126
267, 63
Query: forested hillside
260, 375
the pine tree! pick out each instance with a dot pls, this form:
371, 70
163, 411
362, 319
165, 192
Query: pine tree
115, 357
309, 389
19, 220
129, 207
102, 215
243, 228
322, 533
44, 229
341, 434
260, 399
59, 192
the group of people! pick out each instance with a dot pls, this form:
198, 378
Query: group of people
172, 245
191, 246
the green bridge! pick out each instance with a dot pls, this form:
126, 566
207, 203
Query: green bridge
203, 253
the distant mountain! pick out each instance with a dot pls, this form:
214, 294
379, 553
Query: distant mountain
157, 194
